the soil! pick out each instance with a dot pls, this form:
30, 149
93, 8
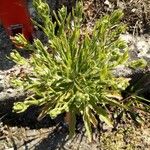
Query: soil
24, 132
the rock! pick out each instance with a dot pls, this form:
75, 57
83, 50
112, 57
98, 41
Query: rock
139, 46
122, 70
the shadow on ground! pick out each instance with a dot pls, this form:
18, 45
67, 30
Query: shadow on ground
5, 50
55, 140
23, 131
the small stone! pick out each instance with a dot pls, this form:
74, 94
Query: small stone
31, 133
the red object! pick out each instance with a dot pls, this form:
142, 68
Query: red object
15, 18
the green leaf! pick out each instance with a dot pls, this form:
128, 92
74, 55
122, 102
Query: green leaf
92, 118
116, 16
87, 124
102, 113
140, 63
71, 121
20, 107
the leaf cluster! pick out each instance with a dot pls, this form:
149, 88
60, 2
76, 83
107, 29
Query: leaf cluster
73, 72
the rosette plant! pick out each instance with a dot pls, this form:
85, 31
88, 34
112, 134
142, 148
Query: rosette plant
73, 72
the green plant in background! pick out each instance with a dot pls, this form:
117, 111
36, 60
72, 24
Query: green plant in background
73, 72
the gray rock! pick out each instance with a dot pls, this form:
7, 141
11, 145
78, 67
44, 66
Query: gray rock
139, 46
